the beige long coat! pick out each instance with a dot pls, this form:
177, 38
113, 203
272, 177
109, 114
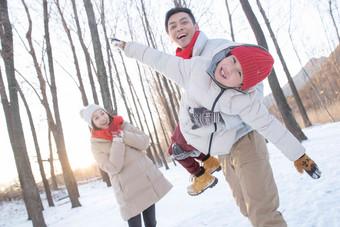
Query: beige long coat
136, 181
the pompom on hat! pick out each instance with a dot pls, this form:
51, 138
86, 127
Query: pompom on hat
88, 111
256, 64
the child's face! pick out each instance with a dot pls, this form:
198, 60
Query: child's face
229, 72
181, 29
100, 119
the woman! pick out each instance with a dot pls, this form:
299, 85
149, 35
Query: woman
118, 147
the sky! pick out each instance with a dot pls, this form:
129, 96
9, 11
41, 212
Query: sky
304, 202
310, 38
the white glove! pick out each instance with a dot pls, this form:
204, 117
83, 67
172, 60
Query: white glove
118, 136
119, 44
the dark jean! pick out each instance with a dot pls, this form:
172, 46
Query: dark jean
149, 217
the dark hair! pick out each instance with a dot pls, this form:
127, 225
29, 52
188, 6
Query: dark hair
95, 128
178, 10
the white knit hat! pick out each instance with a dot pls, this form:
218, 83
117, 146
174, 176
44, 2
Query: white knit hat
87, 112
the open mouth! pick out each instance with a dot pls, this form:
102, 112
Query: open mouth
181, 36
222, 74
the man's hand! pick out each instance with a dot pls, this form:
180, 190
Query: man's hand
118, 43
307, 164
202, 117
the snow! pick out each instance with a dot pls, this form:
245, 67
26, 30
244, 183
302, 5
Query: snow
303, 201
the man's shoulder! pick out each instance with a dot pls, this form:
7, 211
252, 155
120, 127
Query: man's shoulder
212, 45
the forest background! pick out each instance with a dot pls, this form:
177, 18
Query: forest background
306, 32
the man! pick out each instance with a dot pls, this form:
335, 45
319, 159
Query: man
246, 167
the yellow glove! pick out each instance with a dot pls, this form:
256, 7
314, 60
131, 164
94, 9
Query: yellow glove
307, 164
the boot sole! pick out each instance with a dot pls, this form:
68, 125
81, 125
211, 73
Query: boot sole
216, 170
210, 186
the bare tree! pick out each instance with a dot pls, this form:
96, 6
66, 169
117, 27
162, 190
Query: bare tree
333, 20
81, 88
279, 97
70, 180
74, 54
285, 68
307, 75
170, 109
230, 21
97, 49
178, 3
56, 127
11, 108
51, 161
108, 51
86, 53
37, 148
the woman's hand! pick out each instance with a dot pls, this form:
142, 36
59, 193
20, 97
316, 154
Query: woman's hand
118, 136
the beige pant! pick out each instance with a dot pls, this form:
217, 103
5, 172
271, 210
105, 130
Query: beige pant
249, 175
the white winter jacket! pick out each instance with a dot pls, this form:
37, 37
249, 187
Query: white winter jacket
202, 91
207, 48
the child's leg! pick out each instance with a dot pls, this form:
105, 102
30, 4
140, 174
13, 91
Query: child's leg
178, 141
189, 163
185, 155
178, 137
211, 164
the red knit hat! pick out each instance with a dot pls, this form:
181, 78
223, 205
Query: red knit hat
256, 64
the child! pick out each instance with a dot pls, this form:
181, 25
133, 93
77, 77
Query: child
228, 82
118, 147
200, 166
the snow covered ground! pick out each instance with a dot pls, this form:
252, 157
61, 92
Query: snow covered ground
304, 201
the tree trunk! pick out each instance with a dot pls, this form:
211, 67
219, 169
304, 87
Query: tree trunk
170, 109
75, 58
316, 92
285, 68
51, 161
279, 97
37, 148
108, 51
160, 151
333, 20
70, 180
86, 53
97, 49
230, 22
130, 85
11, 108
105, 176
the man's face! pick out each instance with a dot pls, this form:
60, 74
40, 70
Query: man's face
181, 29
229, 72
